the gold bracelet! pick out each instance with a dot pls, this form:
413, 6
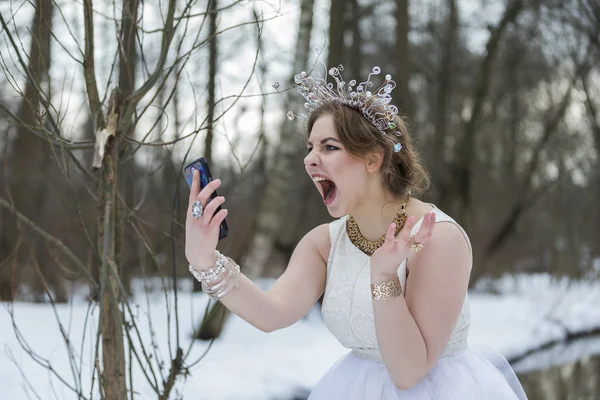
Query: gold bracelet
386, 290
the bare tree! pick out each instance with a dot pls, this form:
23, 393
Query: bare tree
116, 122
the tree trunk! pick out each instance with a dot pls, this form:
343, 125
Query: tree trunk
354, 27
269, 216
594, 119
125, 239
127, 50
336, 32
402, 61
113, 349
212, 72
444, 95
26, 189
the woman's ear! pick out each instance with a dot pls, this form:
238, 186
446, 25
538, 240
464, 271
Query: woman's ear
374, 161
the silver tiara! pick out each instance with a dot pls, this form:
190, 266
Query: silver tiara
373, 105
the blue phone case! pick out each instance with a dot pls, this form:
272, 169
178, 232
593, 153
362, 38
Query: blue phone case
205, 178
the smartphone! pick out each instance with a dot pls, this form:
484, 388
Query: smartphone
201, 165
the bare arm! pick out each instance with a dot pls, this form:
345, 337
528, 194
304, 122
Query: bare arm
412, 332
293, 294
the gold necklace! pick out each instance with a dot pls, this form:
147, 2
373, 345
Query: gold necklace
369, 246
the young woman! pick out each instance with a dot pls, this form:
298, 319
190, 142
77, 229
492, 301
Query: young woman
394, 270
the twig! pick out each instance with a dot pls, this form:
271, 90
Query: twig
63, 333
23, 374
49, 238
36, 357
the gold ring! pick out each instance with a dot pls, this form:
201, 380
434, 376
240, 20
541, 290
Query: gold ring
414, 246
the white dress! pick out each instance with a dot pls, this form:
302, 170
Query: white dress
460, 374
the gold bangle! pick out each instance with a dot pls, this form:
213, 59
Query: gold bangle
386, 290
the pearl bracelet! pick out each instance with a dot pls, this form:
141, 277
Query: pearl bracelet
226, 272
213, 273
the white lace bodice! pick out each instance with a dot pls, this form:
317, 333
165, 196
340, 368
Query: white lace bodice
347, 308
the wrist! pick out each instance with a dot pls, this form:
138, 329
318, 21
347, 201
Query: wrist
213, 272
219, 279
383, 276
205, 264
387, 289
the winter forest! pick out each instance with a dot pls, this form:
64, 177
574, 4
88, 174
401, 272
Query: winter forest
102, 103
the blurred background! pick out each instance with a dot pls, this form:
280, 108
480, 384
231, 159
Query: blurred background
101, 106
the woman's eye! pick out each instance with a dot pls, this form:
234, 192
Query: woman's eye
308, 149
330, 147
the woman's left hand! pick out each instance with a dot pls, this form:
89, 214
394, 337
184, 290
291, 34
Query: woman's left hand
386, 259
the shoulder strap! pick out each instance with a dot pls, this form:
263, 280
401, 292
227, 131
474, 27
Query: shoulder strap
441, 216
336, 228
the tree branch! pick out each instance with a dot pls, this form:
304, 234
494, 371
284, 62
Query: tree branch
522, 203
168, 33
467, 147
89, 66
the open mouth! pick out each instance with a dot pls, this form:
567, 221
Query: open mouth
328, 189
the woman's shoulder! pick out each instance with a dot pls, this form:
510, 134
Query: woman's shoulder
419, 208
324, 235
320, 240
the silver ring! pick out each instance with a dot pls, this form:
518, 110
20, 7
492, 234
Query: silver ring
197, 209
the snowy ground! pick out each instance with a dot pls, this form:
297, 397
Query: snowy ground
248, 364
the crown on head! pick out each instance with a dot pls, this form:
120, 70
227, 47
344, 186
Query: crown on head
374, 105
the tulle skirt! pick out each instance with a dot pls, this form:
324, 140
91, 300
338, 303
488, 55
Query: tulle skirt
468, 375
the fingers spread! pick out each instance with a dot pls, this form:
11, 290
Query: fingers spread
425, 228
407, 229
389, 235
430, 233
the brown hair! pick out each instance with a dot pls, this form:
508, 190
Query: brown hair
401, 171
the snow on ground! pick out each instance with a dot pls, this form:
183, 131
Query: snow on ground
248, 364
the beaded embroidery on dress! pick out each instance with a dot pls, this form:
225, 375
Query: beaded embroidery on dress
348, 313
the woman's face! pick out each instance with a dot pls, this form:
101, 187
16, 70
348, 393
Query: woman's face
340, 178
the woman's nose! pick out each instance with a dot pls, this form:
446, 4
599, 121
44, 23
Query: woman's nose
311, 159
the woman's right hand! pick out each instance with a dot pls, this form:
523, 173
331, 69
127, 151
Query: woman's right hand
202, 234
